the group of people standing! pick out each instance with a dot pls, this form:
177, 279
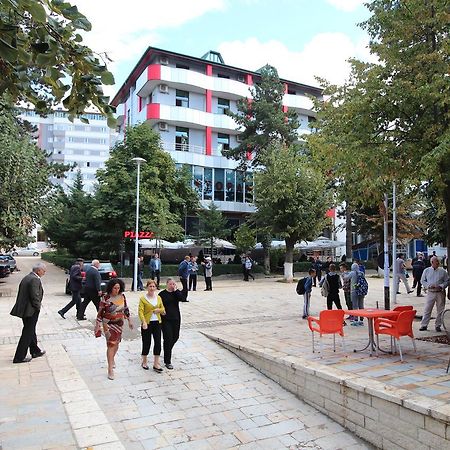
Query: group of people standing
188, 270
352, 282
159, 314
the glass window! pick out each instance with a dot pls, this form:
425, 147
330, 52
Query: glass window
230, 185
219, 184
249, 187
182, 139
182, 66
223, 142
223, 75
239, 186
208, 183
198, 180
223, 105
182, 98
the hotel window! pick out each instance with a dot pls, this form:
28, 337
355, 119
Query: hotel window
291, 92
222, 75
182, 139
219, 184
208, 183
249, 187
223, 142
239, 186
229, 185
182, 66
182, 98
223, 105
198, 180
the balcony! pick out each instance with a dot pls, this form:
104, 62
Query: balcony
174, 146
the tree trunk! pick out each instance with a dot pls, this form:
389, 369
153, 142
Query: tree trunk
267, 260
348, 233
289, 260
447, 215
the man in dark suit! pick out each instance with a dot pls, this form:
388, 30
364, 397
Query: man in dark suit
92, 289
75, 279
27, 307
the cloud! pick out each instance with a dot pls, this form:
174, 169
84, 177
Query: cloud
325, 56
346, 5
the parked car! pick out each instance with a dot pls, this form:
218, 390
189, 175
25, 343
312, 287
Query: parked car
27, 251
106, 270
4, 268
12, 262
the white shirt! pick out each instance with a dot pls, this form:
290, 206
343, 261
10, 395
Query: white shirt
434, 277
153, 301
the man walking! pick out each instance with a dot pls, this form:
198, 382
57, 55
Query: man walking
75, 279
418, 268
183, 273
435, 279
155, 268
400, 263
27, 307
92, 289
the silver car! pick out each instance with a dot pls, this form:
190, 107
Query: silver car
27, 251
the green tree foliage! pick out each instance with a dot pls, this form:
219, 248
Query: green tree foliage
390, 122
245, 238
43, 60
164, 191
24, 181
262, 120
69, 221
291, 199
213, 224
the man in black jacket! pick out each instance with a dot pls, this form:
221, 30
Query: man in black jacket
27, 307
92, 288
75, 279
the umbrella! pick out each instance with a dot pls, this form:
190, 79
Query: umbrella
320, 243
157, 243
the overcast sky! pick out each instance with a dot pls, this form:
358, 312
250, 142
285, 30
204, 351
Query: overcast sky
301, 38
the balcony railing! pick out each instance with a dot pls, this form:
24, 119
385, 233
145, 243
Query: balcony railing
175, 146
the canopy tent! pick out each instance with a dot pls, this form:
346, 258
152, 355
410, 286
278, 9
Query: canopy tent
188, 243
218, 243
320, 243
158, 243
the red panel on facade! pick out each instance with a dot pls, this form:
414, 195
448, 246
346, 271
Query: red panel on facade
208, 140
139, 104
249, 80
208, 101
154, 72
331, 213
153, 111
209, 70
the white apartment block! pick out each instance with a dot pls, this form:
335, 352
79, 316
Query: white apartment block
86, 145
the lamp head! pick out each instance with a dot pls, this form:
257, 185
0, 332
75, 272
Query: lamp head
138, 160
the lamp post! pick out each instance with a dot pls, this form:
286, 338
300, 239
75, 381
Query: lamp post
138, 162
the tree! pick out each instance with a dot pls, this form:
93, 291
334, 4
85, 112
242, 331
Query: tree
291, 199
245, 238
24, 181
70, 220
390, 122
213, 225
262, 120
43, 60
164, 191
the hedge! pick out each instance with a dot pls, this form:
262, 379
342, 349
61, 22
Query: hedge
168, 270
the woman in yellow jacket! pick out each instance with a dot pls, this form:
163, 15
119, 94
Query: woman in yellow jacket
150, 310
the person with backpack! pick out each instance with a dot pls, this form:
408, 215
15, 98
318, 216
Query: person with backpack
358, 290
333, 282
304, 287
248, 267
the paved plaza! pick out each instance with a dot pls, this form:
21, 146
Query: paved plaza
212, 399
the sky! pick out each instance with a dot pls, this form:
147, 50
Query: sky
301, 38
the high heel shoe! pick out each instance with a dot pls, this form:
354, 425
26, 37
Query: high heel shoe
157, 369
144, 366
110, 375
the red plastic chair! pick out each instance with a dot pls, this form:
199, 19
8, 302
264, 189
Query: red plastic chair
329, 322
401, 326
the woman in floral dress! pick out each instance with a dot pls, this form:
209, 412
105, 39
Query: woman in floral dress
112, 312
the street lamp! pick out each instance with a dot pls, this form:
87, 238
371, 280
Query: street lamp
138, 162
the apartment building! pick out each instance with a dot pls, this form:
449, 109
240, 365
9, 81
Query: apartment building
184, 99
86, 145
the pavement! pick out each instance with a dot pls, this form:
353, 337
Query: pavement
211, 399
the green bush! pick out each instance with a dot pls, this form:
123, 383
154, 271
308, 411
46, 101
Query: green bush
61, 260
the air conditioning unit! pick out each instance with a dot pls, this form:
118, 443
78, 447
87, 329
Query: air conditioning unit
163, 126
241, 78
164, 60
164, 88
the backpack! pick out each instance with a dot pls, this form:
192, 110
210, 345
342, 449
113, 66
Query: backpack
361, 287
301, 286
325, 289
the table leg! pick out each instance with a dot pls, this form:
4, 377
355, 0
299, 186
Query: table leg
370, 343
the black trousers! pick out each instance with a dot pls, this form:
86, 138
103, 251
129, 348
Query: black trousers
333, 297
171, 333
419, 287
156, 274
76, 301
248, 274
153, 329
193, 281
28, 339
90, 296
208, 282
184, 282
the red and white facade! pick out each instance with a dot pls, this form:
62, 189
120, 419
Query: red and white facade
184, 99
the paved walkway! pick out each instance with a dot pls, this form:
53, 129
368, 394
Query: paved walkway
211, 400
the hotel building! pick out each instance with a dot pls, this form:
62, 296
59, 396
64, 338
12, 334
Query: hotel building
184, 99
